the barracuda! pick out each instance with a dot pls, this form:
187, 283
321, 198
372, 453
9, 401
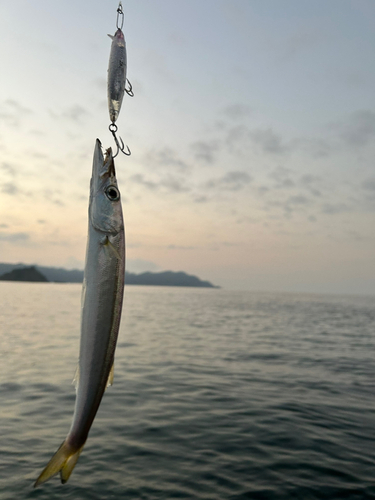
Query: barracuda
102, 296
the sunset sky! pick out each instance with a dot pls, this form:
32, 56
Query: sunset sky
252, 133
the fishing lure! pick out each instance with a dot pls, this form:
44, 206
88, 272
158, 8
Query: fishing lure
117, 79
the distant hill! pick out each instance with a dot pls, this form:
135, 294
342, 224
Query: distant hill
56, 274
166, 278
24, 274
60, 275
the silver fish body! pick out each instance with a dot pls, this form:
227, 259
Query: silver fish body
102, 296
116, 74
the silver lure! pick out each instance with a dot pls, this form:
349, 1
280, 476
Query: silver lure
102, 296
116, 74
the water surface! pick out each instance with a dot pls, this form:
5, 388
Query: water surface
217, 395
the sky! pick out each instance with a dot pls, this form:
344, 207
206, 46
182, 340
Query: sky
252, 133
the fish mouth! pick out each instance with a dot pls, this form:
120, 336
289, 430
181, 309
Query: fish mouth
109, 162
103, 166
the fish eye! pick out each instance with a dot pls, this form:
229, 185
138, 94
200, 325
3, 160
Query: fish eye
112, 193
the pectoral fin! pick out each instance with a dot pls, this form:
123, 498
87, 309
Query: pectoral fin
75, 380
109, 381
112, 251
111, 375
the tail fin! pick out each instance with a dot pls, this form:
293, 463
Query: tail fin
63, 461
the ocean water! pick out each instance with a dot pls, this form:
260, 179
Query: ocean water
217, 395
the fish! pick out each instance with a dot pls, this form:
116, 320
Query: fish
101, 306
116, 74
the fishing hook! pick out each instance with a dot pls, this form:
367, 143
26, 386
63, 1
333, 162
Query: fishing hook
120, 147
120, 12
129, 90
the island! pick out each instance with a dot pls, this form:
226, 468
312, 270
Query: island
24, 274
166, 278
20, 272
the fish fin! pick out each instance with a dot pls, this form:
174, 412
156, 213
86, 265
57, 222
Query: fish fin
75, 380
108, 245
111, 375
63, 460
111, 36
69, 466
83, 293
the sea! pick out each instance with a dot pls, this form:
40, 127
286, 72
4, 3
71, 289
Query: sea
217, 394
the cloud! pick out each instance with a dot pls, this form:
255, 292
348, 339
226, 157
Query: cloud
57, 202
74, 113
237, 134
310, 183
230, 244
355, 235
237, 112
200, 199
269, 141
139, 179
49, 195
8, 168
14, 237
357, 130
9, 188
335, 208
37, 155
297, 200
168, 157
231, 181
100, 83
282, 176
309, 179
289, 206
354, 131
369, 184
38, 133
295, 44
174, 184
17, 107
171, 183
262, 190
205, 150
180, 247
235, 177
11, 112
360, 128
315, 147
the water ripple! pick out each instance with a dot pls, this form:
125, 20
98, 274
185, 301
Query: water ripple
217, 395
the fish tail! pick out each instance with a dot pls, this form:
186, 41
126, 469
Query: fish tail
63, 461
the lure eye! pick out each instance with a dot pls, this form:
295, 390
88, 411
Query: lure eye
112, 193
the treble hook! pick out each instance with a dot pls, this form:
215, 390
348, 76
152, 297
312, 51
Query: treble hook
120, 147
120, 12
129, 90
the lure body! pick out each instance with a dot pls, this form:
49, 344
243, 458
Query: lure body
116, 74
102, 296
